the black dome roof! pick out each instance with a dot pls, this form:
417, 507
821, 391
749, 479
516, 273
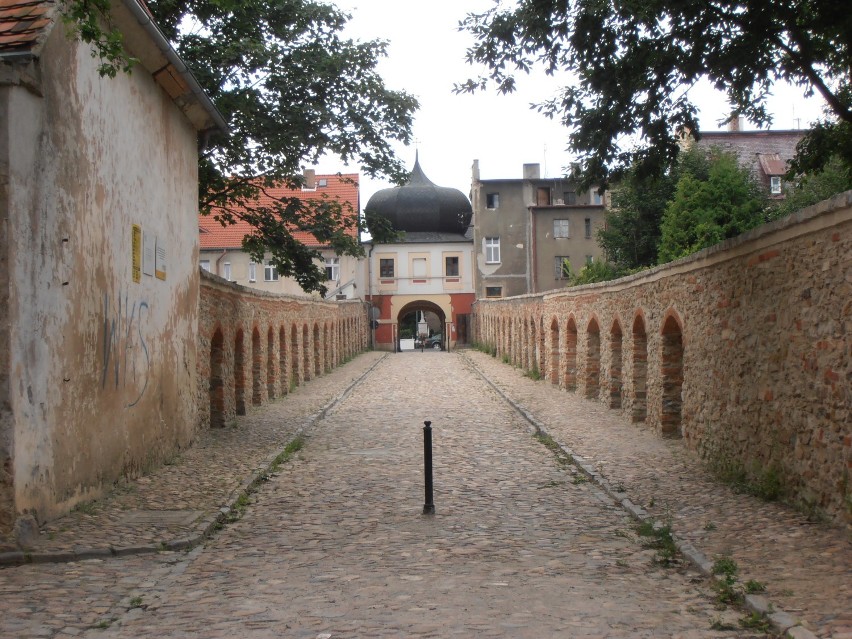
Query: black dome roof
420, 205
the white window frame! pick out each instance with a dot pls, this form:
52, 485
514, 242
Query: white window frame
492, 201
775, 184
226, 270
252, 272
565, 225
270, 272
205, 264
492, 250
596, 198
332, 264
558, 271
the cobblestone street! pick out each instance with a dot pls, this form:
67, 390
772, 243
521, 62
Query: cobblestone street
334, 544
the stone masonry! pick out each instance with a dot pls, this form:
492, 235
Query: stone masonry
743, 350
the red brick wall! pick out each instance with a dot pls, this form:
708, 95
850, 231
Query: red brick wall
255, 346
743, 350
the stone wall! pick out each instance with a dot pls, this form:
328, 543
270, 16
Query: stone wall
742, 350
255, 346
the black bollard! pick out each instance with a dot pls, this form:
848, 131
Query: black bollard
429, 506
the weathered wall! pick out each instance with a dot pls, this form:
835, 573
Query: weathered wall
255, 346
743, 350
103, 366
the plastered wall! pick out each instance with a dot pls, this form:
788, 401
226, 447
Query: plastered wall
100, 359
742, 350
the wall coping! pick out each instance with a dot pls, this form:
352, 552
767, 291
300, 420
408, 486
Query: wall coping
221, 284
826, 214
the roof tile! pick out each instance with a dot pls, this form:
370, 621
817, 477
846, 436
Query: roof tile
212, 235
22, 23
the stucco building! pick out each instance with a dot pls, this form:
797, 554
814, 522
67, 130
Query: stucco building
427, 276
526, 229
222, 246
99, 259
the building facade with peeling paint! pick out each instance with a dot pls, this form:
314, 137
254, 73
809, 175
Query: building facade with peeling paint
99, 253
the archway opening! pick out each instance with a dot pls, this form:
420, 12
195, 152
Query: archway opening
283, 362
239, 373
294, 357
418, 319
672, 373
640, 370
570, 372
256, 367
317, 351
593, 360
554, 351
270, 363
615, 340
217, 382
306, 353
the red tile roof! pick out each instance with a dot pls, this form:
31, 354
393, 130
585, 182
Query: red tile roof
212, 235
22, 23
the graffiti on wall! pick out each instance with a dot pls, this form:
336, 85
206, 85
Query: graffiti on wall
126, 361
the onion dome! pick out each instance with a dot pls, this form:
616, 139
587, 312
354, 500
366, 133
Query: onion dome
421, 206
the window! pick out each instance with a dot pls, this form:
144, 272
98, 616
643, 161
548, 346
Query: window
570, 197
589, 259
561, 228
252, 272
332, 268
322, 182
492, 250
451, 266
226, 271
492, 201
205, 264
386, 267
270, 273
542, 196
597, 198
493, 291
588, 227
561, 267
775, 185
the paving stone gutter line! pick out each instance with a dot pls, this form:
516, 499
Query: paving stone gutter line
782, 622
210, 522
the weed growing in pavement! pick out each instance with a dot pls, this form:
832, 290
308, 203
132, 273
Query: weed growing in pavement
103, 624
533, 374
756, 621
136, 602
86, 508
579, 478
709, 526
718, 624
766, 483
752, 586
505, 359
620, 487
660, 539
727, 589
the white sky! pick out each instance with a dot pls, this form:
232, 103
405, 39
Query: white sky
426, 56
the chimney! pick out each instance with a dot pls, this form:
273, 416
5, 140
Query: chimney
735, 124
310, 179
532, 171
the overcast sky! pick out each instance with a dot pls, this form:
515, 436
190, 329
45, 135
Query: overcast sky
426, 56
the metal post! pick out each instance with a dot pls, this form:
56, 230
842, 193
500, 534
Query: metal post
429, 506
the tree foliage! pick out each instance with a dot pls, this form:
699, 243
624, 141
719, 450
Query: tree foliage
835, 177
635, 60
291, 89
706, 212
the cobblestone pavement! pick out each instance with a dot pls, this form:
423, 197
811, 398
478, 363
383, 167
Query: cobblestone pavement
334, 545
805, 566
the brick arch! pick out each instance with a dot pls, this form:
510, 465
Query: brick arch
317, 350
554, 351
593, 358
256, 368
283, 361
639, 412
306, 353
570, 367
271, 377
615, 354
239, 372
217, 379
294, 356
671, 369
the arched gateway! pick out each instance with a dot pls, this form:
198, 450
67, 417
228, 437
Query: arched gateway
427, 274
